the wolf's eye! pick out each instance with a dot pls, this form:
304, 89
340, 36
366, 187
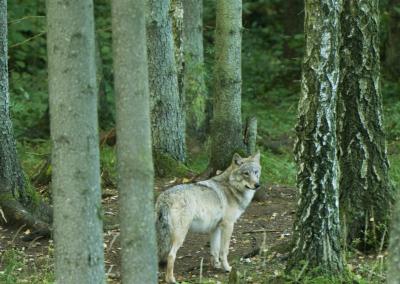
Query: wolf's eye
256, 172
246, 173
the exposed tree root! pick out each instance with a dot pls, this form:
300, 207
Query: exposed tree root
13, 213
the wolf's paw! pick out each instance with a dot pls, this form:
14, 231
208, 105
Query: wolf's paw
227, 268
216, 263
170, 279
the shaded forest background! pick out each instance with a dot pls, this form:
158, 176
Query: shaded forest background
273, 43
272, 53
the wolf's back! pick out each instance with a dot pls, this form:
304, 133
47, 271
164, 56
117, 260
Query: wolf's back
163, 227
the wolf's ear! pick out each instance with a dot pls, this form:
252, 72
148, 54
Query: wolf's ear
256, 156
237, 160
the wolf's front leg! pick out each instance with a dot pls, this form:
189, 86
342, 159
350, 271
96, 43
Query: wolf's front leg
226, 233
215, 245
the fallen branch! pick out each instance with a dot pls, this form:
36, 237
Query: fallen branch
262, 231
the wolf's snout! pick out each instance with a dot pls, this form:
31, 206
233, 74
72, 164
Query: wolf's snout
257, 185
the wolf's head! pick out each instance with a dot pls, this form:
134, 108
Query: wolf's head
245, 172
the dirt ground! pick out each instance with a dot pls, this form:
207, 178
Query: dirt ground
266, 224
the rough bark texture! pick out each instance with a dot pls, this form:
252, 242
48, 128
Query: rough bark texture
366, 194
393, 275
15, 202
316, 238
78, 231
193, 79
11, 177
167, 119
226, 125
134, 152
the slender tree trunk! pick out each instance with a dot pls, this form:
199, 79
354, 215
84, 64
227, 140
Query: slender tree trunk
366, 194
177, 31
317, 233
193, 79
167, 119
11, 178
134, 152
15, 202
226, 125
74, 131
393, 275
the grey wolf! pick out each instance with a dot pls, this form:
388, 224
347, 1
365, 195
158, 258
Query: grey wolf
211, 206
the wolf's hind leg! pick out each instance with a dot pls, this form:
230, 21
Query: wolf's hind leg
177, 242
215, 245
226, 233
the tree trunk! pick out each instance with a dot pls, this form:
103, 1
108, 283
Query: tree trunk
11, 178
16, 203
78, 231
366, 194
177, 31
135, 165
167, 119
316, 236
226, 125
393, 275
193, 79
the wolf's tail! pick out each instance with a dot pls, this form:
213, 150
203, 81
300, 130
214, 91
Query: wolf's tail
163, 227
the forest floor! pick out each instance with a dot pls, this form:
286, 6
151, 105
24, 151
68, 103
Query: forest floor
264, 227
259, 246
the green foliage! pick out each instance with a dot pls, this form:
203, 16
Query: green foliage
27, 63
16, 269
108, 165
278, 169
12, 260
102, 13
32, 153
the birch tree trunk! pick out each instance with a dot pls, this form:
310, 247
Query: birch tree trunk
78, 231
366, 194
15, 202
134, 152
167, 119
226, 125
316, 236
193, 79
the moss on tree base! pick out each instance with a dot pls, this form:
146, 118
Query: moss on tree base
167, 166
